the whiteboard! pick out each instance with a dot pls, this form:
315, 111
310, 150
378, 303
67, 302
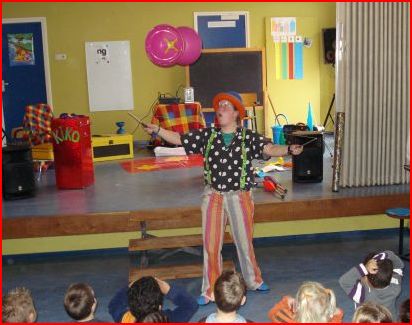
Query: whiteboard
109, 76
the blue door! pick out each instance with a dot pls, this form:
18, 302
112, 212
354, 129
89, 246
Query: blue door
23, 77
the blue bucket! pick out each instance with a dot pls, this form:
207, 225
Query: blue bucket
277, 131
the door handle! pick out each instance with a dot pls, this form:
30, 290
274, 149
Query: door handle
3, 85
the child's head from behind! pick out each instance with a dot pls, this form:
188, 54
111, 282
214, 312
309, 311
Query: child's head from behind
18, 307
314, 303
404, 311
80, 301
371, 312
385, 270
156, 317
144, 297
229, 291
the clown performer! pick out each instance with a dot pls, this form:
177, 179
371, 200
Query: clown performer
228, 152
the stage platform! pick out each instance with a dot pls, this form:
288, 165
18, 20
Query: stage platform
119, 200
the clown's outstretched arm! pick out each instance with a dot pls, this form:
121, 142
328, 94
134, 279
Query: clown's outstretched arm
169, 136
274, 150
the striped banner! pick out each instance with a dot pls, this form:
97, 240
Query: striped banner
298, 58
288, 57
291, 40
277, 58
285, 58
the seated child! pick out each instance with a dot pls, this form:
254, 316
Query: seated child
156, 317
313, 304
404, 311
18, 307
145, 296
80, 303
371, 312
377, 279
229, 294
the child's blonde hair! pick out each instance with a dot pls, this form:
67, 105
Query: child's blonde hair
371, 312
315, 303
18, 306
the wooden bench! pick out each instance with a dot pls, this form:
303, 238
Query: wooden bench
149, 243
169, 272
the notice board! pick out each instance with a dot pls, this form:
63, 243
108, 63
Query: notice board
226, 29
109, 76
241, 70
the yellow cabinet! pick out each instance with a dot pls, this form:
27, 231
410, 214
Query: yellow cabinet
112, 146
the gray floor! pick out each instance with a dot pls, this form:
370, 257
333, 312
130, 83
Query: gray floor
285, 262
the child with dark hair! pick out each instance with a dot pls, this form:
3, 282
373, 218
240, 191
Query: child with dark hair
229, 293
404, 311
145, 296
80, 303
140, 302
377, 279
371, 312
18, 307
156, 317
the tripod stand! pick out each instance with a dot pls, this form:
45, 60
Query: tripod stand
4, 137
329, 115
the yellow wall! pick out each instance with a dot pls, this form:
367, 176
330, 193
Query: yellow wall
115, 240
70, 25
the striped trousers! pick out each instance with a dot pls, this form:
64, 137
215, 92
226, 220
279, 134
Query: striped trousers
217, 208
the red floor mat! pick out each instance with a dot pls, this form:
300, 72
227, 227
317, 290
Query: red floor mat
161, 163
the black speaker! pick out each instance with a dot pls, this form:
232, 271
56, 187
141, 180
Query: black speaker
329, 44
288, 130
308, 166
18, 172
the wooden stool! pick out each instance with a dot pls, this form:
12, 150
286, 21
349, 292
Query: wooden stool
401, 214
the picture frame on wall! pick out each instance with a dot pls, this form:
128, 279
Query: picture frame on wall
223, 29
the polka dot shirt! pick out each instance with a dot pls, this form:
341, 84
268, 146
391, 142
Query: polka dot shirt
225, 162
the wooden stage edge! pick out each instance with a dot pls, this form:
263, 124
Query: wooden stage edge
186, 217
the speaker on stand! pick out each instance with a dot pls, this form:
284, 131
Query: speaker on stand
18, 172
308, 166
329, 45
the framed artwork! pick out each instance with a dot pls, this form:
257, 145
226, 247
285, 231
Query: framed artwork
21, 50
224, 29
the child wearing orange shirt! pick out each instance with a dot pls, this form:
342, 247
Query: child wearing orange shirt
313, 304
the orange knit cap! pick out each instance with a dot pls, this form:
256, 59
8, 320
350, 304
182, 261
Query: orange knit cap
234, 98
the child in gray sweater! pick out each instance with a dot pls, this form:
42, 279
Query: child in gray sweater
377, 279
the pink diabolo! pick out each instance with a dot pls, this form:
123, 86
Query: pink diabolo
192, 46
164, 45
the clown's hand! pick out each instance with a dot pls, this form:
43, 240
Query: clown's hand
295, 149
